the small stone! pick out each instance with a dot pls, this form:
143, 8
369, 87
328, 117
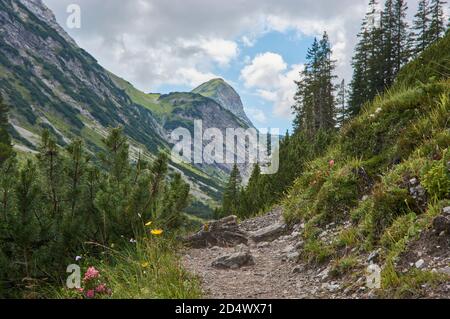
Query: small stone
373, 257
364, 198
299, 245
295, 234
289, 249
293, 256
330, 287
446, 210
445, 270
262, 245
325, 274
298, 269
413, 181
420, 264
441, 224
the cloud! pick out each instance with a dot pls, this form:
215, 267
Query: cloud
264, 71
273, 81
147, 41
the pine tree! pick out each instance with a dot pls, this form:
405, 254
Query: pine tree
51, 165
401, 37
250, 196
437, 23
315, 108
369, 60
6, 150
387, 28
421, 26
230, 204
341, 104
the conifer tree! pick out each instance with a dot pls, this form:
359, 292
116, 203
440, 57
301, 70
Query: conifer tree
341, 104
230, 204
421, 26
315, 108
368, 62
437, 23
401, 37
6, 150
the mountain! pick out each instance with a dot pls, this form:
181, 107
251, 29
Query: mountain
225, 95
51, 83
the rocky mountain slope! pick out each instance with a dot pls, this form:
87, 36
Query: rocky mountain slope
52, 83
224, 94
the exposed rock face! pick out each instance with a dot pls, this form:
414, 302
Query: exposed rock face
224, 233
225, 95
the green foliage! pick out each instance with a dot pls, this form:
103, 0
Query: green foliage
436, 178
146, 270
51, 206
343, 266
410, 284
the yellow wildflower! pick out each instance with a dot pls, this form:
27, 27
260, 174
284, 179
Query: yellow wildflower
156, 232
145, 265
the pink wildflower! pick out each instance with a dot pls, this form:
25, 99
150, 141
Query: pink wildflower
91, 273
101, 288
90, 293
331, 163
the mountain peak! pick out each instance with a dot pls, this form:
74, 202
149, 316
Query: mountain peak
224, 94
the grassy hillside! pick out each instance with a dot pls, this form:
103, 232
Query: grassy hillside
385, 179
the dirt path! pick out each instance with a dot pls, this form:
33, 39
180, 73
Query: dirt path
274, 274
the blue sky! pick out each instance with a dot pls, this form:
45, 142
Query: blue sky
258, 46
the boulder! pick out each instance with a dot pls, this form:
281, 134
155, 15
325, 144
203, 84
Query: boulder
223, 233
269, 233
234, 261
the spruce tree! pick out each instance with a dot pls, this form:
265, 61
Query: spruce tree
315, 108
369, 60
6, 150
230, 204
401, 37
341, 104
421, 26
437, 23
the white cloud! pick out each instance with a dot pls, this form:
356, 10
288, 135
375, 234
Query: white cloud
264, 71
273, 81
